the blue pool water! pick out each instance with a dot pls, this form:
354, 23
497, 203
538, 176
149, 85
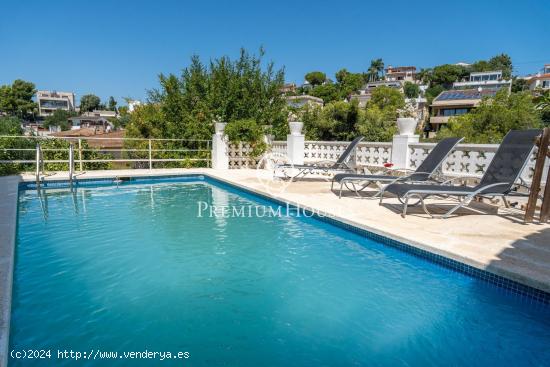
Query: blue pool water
134, 268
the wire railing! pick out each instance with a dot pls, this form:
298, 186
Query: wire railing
46, 153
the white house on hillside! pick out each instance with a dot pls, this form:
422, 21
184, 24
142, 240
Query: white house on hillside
132, 104
300, 101
541, 80
484, 80
50, 101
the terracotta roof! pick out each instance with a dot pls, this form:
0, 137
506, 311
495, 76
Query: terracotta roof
111, 142
396, 68
542, 76
76, 133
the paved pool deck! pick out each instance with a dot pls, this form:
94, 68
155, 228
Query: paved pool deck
491, 238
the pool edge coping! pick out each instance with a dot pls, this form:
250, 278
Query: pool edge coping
8, 233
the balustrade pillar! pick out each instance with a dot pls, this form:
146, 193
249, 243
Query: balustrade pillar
400, 152
220, 156
295, 143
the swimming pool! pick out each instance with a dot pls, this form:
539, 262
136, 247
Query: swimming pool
139, 267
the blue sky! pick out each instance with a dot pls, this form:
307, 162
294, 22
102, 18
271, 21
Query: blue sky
119, 47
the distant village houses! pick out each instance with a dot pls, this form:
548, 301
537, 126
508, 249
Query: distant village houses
540, 80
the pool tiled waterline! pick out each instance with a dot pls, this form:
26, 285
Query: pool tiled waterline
514, 287
499, 244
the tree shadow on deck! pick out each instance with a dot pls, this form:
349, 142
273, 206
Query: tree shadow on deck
528, 258
435, 206
441, 206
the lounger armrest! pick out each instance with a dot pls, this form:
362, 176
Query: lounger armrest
393, 171
400, 169
479, 191
421, 173
408, 177
312, 164
390, 171
457, 178
323, 163
399, 179
470, 194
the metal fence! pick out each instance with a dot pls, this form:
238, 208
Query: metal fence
46, 153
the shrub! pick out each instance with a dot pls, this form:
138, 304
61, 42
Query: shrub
247, 131
494, 117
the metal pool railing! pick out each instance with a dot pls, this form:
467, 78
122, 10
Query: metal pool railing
23, 153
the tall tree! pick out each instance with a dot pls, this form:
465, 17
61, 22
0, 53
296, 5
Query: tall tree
351, 83
111, 105
341, 75
411, 90
424, 75
499, 62
316, 78
89, 102
245, 89
16, 99
387, 98
376, 70
6, 100
446, 75
59, 118
327, 92
502, 62
519, 84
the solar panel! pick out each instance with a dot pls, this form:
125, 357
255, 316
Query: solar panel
464, 94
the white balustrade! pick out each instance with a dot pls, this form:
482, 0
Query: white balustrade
372, 154
468, 160
323, 150
240, 156
368, 154
530, 168
279, 147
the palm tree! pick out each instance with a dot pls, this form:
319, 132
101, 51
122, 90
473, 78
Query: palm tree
371, 74
424, 75
376, 69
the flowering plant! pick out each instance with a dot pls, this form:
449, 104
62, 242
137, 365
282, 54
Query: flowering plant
408, 110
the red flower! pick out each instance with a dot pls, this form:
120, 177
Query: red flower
388, 165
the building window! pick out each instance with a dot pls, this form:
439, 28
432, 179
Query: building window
453, 111
46, 103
